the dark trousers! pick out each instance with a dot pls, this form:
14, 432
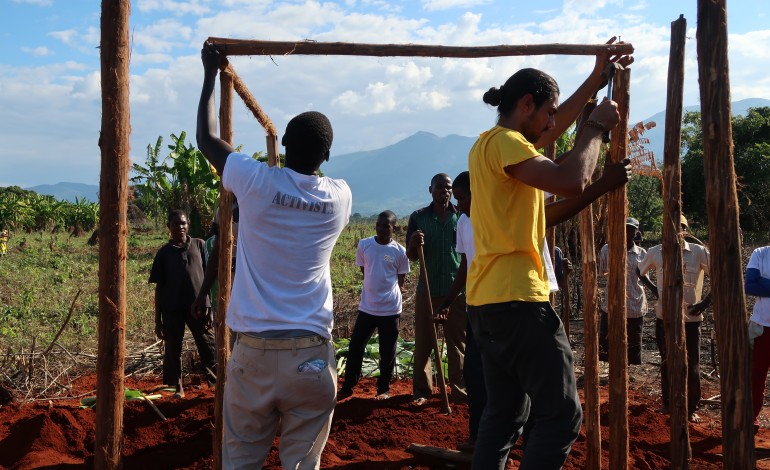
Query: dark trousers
173, 324
692, 345
473, 371
633, 333
387, 328
760, 364
528, 369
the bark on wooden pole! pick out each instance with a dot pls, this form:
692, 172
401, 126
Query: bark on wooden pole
115, 55
264, 120
729, 301
233, 47
616, 285
591, 414
224, 278
673, 275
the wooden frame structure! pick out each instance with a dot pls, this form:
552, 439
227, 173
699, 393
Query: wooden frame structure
729, 300
619, 380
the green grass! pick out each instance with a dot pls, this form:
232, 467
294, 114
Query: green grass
41, 275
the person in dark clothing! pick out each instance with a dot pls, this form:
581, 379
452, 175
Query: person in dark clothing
177, 271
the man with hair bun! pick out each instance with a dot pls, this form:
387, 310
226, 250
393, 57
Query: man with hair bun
526, 355
282, 369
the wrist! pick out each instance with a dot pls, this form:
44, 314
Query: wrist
593, 123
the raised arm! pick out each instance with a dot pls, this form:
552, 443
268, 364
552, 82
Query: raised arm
213, 148
614, 176
572, 175
570, 108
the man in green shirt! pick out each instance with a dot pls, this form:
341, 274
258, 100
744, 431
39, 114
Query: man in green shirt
435, 228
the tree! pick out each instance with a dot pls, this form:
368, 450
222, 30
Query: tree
751, 140
645, 201
187, 183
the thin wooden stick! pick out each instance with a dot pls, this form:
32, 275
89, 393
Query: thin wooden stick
439, 364
64, 325
250, 102
232, 47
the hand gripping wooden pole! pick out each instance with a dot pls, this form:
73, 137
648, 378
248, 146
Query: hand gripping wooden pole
439, 365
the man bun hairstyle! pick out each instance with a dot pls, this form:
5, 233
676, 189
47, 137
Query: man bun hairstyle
462, 181
526, 81
308, 134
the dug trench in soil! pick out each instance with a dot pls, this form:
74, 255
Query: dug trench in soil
366, 434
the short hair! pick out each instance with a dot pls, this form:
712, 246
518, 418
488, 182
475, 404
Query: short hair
174, 214
308, 134
439, 176
390, 215
462, 181
526, 81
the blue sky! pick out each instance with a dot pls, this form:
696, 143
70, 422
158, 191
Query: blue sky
49, 68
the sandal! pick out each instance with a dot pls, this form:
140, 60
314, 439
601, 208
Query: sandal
419, 401
382, 396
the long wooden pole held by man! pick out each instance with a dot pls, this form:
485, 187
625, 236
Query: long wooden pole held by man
439, 364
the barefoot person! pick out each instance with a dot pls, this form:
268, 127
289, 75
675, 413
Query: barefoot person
526, 356
695, 261
282, 369
384, 265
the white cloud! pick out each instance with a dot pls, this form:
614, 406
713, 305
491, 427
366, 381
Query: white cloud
179, 8
435, 5
39, 51
66, 36
42, 3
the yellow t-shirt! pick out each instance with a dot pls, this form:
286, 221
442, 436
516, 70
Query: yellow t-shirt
508, 219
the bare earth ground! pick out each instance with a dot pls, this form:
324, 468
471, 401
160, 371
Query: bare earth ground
365, 433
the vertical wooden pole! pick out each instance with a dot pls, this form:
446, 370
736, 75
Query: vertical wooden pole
225, 241
591, 337
273, 158
113, 209
729, 301
616, 285
673, 275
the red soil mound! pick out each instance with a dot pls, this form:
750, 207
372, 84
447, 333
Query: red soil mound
365, 433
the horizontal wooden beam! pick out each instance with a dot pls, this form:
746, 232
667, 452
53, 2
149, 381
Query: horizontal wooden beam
233, 47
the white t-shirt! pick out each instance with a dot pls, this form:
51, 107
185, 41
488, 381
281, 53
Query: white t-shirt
760, 260
636, 301
289, 225
382, 264
465, 245
695, 262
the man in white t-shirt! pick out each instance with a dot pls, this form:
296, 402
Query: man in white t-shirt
282, 369
384, 265
757, 283
636, 301
695, 263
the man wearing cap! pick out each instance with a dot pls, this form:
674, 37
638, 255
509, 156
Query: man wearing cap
636, 301
695, 262
282, 369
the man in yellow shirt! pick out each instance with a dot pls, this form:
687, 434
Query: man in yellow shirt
526, 355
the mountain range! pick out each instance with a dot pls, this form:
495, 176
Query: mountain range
397, 177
